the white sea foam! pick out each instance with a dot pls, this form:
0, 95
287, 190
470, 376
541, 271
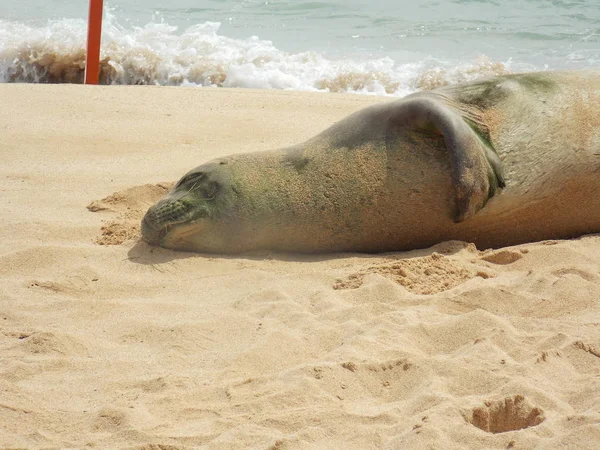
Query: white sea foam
158, 53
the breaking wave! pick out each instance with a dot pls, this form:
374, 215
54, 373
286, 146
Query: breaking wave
160, 54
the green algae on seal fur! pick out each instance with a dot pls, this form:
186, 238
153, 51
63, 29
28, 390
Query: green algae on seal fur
496, 162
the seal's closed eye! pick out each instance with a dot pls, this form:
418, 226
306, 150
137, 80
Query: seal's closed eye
191, 178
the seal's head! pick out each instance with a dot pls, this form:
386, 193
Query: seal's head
191, 209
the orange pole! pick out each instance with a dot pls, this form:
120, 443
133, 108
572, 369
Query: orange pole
92, 61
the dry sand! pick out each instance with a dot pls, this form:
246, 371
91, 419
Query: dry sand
108, 343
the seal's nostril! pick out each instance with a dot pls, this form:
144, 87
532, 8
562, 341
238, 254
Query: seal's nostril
161, 233
149, 233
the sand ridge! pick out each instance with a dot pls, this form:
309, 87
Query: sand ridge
130, 206
129, 346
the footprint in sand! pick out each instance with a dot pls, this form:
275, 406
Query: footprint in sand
48, 343
427, 275
508, 414
110, 419
502, 257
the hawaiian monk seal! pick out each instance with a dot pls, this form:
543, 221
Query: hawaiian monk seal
496, 162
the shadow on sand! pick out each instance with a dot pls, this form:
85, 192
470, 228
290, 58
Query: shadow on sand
143, 253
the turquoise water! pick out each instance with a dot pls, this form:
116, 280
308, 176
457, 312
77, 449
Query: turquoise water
379, 47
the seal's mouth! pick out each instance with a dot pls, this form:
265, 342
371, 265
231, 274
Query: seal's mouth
162, 216
171, 235
169, 220
153, 235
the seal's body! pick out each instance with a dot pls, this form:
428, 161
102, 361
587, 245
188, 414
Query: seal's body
496, 162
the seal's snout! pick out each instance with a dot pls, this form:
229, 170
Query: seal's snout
161, 217
150, 233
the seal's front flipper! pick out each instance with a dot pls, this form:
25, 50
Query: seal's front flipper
476, 168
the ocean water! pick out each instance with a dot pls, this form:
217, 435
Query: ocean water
381, 47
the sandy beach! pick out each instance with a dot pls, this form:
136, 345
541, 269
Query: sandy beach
108, 343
